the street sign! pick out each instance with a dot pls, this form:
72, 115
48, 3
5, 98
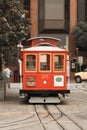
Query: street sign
80, 60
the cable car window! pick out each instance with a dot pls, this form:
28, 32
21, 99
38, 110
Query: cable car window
30, 62
58, 62
44, 62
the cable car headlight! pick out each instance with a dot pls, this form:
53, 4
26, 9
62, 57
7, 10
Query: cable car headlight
44, 82
31, 81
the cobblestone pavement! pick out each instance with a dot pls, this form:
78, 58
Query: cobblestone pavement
72, 115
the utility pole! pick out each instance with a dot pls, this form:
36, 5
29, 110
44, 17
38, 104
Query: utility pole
20, 46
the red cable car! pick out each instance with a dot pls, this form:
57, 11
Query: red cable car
44, 71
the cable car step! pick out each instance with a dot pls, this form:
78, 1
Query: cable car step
44, 100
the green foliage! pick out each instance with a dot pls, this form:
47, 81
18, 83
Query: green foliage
3, 77
80, 34
14, 22
14, 26
10, 55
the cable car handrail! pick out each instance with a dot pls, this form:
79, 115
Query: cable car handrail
57, 39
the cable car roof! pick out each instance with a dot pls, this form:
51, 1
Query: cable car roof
42, 37
43, 48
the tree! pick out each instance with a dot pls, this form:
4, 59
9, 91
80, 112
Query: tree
14, 26
80, 35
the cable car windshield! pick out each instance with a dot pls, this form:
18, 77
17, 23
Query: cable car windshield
30, 62
58, 62
44, 62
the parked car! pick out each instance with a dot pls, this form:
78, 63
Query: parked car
81, 76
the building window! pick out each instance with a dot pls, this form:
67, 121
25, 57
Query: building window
52, 19
25, 4
86, 10
53, 15
82, 10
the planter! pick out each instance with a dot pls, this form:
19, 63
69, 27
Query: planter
2, 90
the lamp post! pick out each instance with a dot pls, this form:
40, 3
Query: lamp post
20, 46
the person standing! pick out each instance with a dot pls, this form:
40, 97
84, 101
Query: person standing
8, 73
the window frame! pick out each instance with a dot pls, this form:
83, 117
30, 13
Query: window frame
44, 71
63, 69
36, 63
41, 28
27, 4
85, 10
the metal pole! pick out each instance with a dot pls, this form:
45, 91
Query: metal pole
77, 53
19, 49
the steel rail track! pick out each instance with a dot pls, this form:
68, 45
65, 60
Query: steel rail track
26, 121
55, 119
43, 127
63, 114
82, 87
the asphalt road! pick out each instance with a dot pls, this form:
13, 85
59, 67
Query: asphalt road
69, 115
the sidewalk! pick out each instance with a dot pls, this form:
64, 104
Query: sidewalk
16, 85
